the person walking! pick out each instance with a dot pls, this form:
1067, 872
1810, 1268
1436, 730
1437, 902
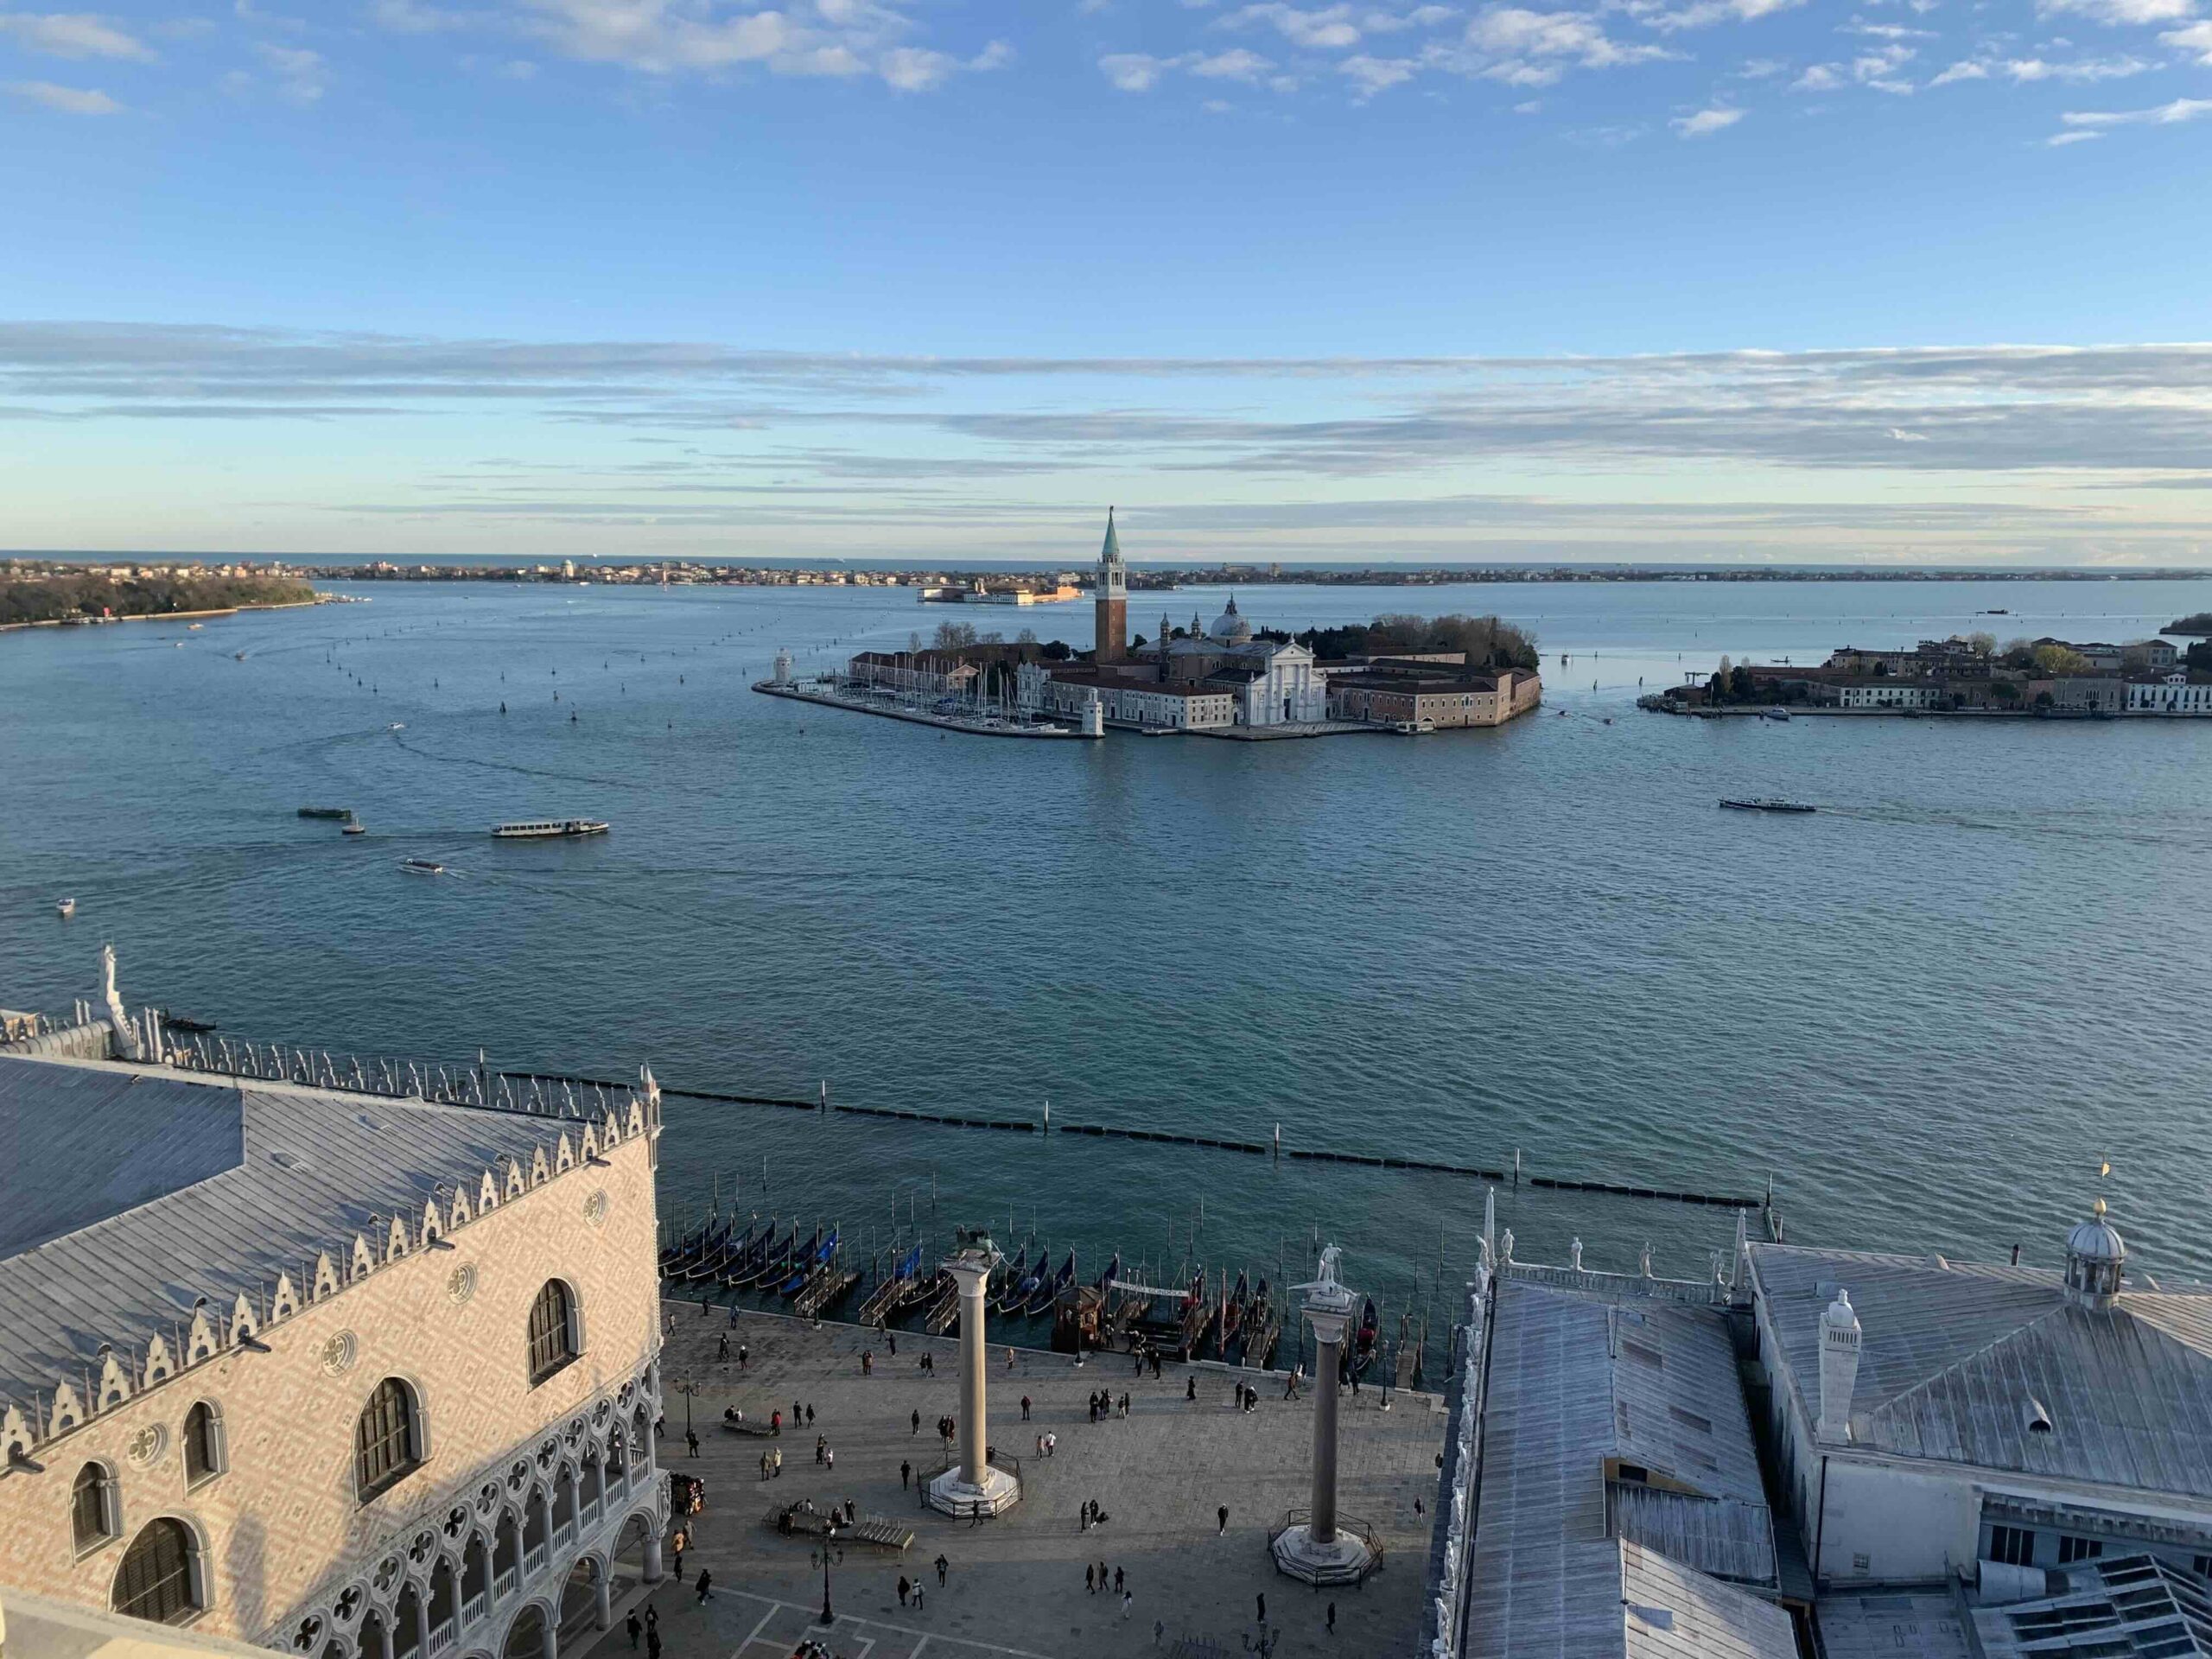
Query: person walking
1090, 1584
943, 1567
850, 1516
744, 1354
905, 1473
1191, 1386
722, 1346
868, 1362
829, 1457
902, 1588
809, 1416
635, 1629
1025, 1407
706, 1585
1118, 1580
892, 1336
776, 1422
821, 1444
653, 1641
678, 1544
777, 1454
1129, 1605
798, 1416
1009, 1356
918, 1420
691, 1440
1332, 1619
919, 1588
764, 1466
1263, 1600
1221, 1514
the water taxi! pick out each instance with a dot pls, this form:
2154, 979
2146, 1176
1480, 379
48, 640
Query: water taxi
1768, 804
353, 828
545, 828
421, 866
1418, 728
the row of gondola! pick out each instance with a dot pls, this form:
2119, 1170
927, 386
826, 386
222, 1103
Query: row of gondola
1240, 1325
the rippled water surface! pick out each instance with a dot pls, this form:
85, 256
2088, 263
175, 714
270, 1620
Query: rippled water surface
1928, 1012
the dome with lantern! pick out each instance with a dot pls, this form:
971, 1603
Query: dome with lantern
1229, 628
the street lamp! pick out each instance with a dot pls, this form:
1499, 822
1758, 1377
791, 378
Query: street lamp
687, 1388
828, 1615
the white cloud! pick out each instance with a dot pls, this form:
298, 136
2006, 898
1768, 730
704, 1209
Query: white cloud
1819, 78
2162, 115
2081, 69
1762, 68
1329, 29
1515, 34
1234, 65
2058, 138
65, 100
414, 17
1134, 72
71, 35
1373, 75
2122, 12
1704, 13
301, 75
2196, 38
796, 37
1706, 123
1962, 70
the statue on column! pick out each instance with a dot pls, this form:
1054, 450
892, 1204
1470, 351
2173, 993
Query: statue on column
127, 1044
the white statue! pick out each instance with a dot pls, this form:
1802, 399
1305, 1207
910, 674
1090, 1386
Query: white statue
1505, 1245
1644, 1261
126, 1035
1574, 1253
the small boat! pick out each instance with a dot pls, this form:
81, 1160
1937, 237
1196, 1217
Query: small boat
1413, 728
1778, 713
193, 627
177, 1022
1048, 1294
325, 811
421, 866
548, 829
1362, 1347
396, 726
1768, 803
66, 908
1232, 1311
353, 828
1018, 1281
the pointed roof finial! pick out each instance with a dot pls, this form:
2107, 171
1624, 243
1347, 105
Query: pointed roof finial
1111, 552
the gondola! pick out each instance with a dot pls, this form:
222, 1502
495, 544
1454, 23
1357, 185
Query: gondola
1047, 1294
800, 1264
923, 1291
883, 1301
718, 1257
775, 1261
1364, 1345
1025, 1281
685, 1247
1010, 1277
1256, 1315
695, 1250
745, 1265
823, 1253
1232, 1311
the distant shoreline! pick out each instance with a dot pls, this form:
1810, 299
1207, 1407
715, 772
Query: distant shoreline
159, 616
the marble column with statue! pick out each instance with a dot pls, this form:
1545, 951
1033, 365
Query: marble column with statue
1317, 1550
972, 1485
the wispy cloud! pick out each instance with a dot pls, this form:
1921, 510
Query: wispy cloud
2124, 13
301, 75
1704, 123
2162, 115
72, 35
65, 100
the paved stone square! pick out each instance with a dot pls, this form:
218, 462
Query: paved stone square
1015, 1584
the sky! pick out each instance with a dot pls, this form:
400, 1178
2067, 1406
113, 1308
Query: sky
1907, 281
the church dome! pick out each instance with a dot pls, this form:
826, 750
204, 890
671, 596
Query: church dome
2096, 1239
1230, 627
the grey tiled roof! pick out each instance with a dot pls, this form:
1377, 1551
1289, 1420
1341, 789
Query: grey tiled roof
1567, 1391
126, 1196
2127, 1604
1951, 1354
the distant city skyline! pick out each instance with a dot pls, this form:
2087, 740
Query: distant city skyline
1649, 281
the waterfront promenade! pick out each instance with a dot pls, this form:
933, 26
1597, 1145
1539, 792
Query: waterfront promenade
1015, 1584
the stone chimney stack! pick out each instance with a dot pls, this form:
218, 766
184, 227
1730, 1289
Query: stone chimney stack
1838, 1367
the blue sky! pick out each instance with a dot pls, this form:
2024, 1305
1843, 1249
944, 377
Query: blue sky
1653, 279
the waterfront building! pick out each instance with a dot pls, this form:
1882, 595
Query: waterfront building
1880, 694
350, 1375
2169, 691
1389, 692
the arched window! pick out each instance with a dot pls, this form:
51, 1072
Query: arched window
92, 1517
159, 1577
388, 1438
203, 1443
552, 1331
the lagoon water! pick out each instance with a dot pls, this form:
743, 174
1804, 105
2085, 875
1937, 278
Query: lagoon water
1928, 1012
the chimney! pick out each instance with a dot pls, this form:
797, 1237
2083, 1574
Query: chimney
1838, 1367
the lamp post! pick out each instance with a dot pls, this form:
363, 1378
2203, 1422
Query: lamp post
687, 1388
829, 1614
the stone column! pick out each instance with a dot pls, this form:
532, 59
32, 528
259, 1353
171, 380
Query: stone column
975, 1425
550, 1648
972, 1484
653, 1567
1329, 1328
602, 1587
1315, 1551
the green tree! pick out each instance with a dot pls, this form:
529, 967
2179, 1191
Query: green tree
2057, 660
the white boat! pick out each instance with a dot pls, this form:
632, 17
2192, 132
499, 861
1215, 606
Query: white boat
421, 866
547, 829
396, 726
66, 907
1413, 728
1778, 713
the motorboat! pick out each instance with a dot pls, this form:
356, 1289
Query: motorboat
353, 828
1413, 728
66, 908
1768, 803
421, 866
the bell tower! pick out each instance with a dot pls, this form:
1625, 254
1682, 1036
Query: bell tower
1112, 600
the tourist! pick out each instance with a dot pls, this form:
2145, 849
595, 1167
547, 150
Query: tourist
1025, 1407
1125, 1405
1009, 1356
943, 1567
810, 1416
776, 1420
721, 1347
764, 1466
743, 1353
1221, 1514
660, 1426
1090, 1585
777, 1453
903, 1587
905, 1473
1191, 1386
918, 1420
691, 1440
798, 1416
1051, 1444
635, 1629
1102, 1577
1332, 1619
1117, 1578
1084, 1516
917, 1595
1040, 1446
868, 1362
829, 1457
706, 1581
821, 1444
653, 1641
1128, 1601
849, 1516
892, 1336
676, 1543
1263, 1607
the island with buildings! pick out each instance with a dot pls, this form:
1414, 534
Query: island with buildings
1969, 676
1222, 678
116, 593
353, 1359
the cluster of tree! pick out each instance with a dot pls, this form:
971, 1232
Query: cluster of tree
56, 598
2198, 622
965, 642
1486, 641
